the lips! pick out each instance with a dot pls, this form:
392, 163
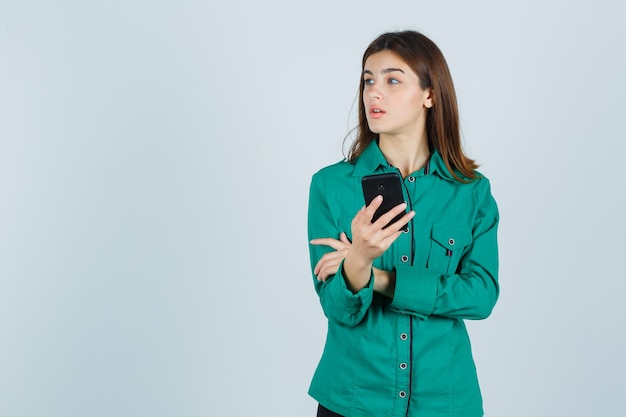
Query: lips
376, 112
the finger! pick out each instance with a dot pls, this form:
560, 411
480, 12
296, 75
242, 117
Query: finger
402, 221
391, 238
320, 264
330, 260
394, 230
388, 216
328, 270
373, 206
344, 238
328, 241
322, 276
364, 216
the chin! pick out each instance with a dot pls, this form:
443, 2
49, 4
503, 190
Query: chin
379, 130
375, 129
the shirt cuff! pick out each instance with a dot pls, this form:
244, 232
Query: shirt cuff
416, 290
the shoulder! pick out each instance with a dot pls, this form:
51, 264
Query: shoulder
337, 170
477, 189
481, 183
480, 180
483, 196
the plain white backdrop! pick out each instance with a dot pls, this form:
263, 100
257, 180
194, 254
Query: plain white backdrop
155, 159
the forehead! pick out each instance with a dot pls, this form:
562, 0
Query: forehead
385, 59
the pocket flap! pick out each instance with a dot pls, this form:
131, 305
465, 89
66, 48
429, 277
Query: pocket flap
450, 237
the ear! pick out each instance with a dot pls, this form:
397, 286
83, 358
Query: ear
429, 98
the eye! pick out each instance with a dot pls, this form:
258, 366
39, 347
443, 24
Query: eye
393, 81
368, 81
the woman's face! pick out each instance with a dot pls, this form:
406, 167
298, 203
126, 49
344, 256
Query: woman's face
395, 103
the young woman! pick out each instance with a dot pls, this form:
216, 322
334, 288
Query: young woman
396, 299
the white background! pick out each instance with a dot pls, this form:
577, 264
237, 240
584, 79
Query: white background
155, 159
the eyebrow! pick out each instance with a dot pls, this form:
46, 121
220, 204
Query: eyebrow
385, 71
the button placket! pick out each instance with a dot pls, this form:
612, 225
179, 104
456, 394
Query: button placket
403, 362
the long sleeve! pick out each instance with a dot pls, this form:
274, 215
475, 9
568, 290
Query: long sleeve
471, 289
338, 302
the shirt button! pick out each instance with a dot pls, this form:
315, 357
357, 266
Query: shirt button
451, 242
404, 258
405, 230
411, 179
402, 394
403, 366
403, 336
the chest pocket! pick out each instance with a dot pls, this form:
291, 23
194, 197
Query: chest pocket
447, 246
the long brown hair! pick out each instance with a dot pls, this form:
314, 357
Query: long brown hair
442, 122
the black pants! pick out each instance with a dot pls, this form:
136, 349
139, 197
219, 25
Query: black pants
325, 412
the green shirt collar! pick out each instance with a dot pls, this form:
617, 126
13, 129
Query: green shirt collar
372, 159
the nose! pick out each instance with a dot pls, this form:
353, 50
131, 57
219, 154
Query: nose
375, 93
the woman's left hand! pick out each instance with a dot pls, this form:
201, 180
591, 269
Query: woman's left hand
329, 263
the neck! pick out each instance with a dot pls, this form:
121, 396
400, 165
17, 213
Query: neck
408, 154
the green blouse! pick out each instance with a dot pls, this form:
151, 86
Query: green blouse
409, 355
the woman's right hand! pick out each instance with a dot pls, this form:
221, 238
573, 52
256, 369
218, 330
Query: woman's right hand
370, 240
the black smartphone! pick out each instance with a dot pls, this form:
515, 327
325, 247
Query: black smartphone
390, 187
